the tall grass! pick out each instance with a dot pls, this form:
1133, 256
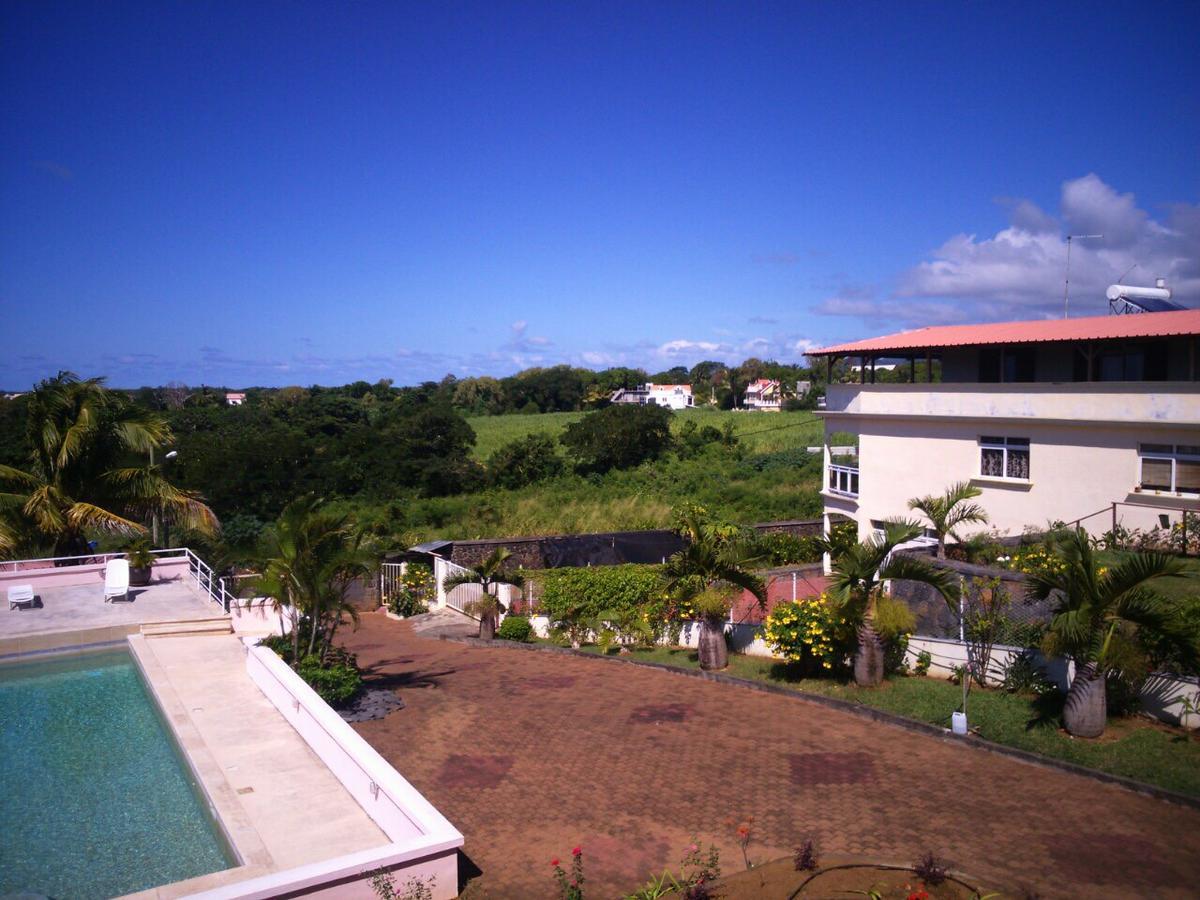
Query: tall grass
758, 432
734, 486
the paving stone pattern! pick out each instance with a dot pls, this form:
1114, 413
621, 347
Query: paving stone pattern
530, 753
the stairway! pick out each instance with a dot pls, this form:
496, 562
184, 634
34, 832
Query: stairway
191, 627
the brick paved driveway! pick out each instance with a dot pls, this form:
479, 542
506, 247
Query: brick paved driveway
530, 753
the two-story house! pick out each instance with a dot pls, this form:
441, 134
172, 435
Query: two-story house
1092, 420
672, 396
763, 394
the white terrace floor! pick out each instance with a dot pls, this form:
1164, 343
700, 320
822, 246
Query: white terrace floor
81, 608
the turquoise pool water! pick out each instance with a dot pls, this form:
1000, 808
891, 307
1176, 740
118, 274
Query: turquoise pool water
94, 798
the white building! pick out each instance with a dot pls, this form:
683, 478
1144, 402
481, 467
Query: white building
672, 396
1093, 420
763, 394
234, 398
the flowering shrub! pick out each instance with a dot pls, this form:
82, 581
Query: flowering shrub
808, 631
413, 592
570, 884
1034, 560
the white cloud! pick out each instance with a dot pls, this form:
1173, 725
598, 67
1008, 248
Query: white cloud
680, 346
1019, 271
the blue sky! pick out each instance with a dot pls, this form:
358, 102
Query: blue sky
289, 193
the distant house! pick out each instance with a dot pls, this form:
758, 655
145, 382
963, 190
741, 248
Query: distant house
672, 396
764, 394
234, 398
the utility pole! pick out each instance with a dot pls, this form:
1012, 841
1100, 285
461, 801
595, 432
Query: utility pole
1067, 280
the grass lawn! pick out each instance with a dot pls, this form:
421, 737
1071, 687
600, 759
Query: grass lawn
1134, 747
760, 432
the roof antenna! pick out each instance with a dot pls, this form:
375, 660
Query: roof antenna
1067, 281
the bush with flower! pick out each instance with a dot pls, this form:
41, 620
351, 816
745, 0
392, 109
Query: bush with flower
1033, 560
811, 632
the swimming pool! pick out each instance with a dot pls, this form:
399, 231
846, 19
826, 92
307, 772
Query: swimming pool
95, 800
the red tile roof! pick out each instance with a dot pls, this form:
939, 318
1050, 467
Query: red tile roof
1092, 328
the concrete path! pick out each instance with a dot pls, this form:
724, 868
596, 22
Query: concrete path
271, 784
529, 754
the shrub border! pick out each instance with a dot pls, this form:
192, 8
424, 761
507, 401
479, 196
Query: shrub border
862, 711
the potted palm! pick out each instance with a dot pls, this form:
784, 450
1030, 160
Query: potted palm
1103, 619
709, 574
141, 561
488, 574
858, 579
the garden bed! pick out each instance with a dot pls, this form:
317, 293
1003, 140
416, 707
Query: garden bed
779, 880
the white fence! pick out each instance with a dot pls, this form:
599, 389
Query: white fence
462, 596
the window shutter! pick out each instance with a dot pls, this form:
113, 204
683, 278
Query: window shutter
1187, 476
1156, 474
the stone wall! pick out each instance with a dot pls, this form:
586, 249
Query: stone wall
936, 619
794, 527
527, 553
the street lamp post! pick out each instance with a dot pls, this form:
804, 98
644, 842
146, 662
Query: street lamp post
154, 516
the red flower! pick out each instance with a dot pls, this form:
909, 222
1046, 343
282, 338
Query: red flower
554, 862
577, 850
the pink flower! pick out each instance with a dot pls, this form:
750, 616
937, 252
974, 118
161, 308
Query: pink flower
577, 850
554, 862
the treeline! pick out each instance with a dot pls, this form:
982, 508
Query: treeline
250, 461
537, 390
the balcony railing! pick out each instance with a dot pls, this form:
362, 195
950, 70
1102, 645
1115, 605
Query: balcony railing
843, 480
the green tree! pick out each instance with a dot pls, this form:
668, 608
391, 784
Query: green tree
857, 581
950, 510
709, 574
80, 480
1103, 619
309, 559
525, 461
489, 574
618, 437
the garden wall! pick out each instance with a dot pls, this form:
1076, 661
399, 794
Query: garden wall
936, 619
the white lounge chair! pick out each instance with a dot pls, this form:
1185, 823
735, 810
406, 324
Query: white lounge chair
116, 580
20, 595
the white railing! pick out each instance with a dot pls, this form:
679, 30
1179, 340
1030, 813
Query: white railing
203, 577
458, 598
91, 558
391, 581
843, 480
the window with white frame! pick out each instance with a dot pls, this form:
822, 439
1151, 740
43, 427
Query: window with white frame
1169, 467
1004, 457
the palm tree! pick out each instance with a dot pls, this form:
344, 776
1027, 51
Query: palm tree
311, 556
709, 573
81, 436
488, 573
858, 578
1098, 618
951, 509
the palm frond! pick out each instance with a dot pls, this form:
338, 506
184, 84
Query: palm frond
89, 517
16, 476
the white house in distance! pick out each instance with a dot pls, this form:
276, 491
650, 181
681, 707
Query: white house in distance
672, 396
763, 394
1093, 420
234, 398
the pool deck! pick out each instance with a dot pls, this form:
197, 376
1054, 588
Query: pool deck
279, 804
77, 614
